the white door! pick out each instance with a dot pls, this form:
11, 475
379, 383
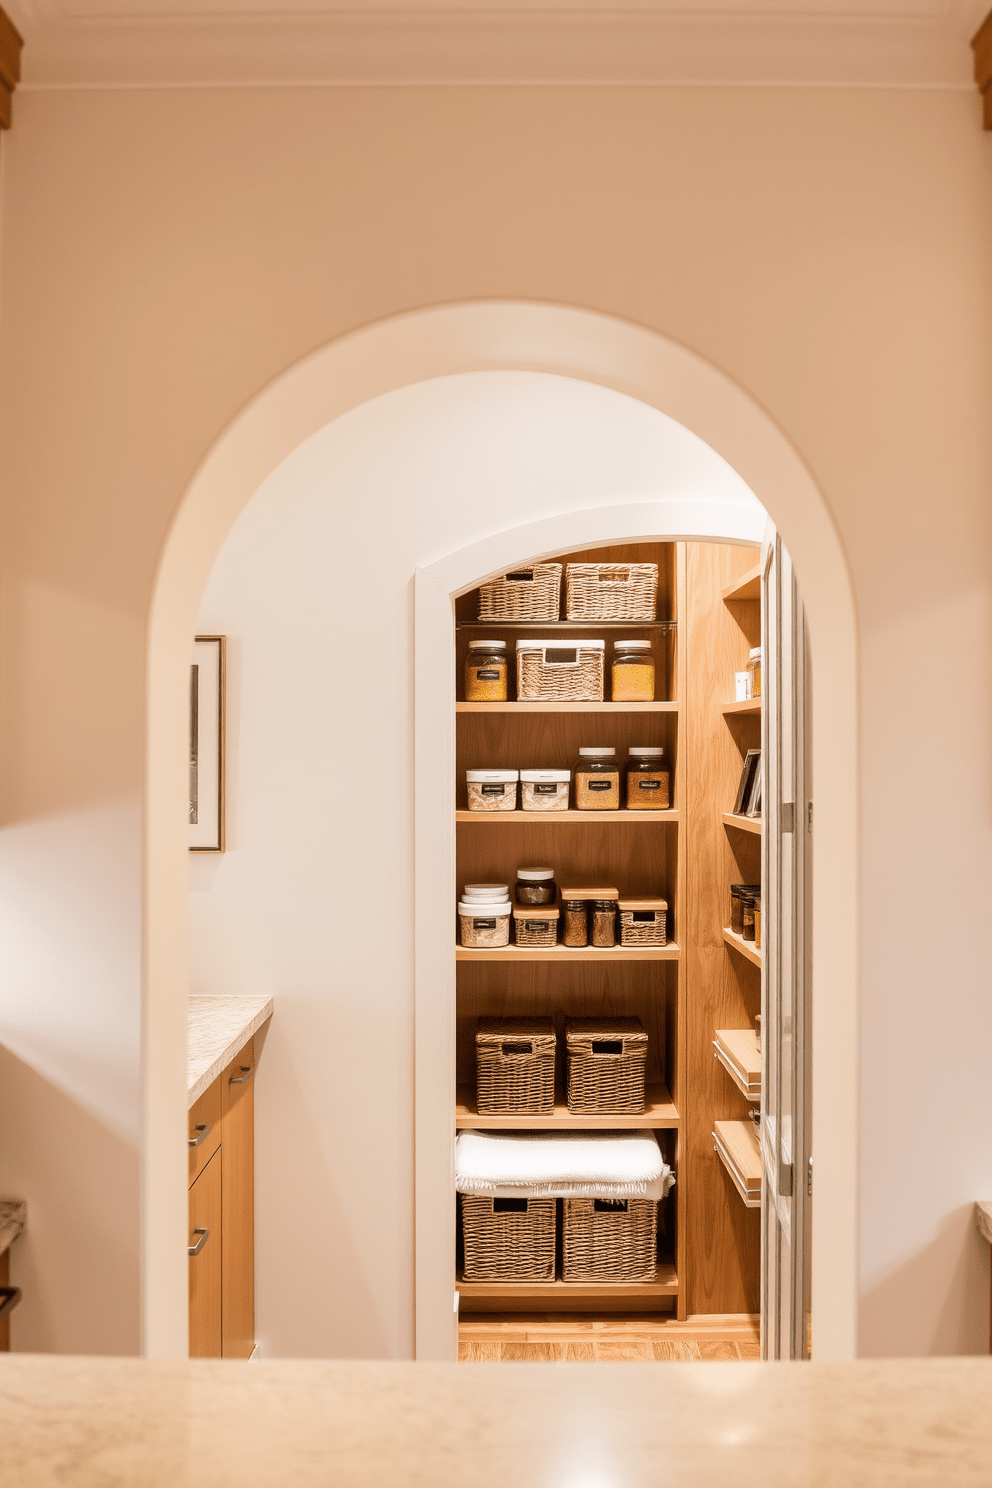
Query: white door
786, 1023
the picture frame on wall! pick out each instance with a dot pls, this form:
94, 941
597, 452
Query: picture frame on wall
207, 688
749, 774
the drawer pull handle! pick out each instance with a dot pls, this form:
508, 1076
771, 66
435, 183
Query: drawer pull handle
195, 1249
9, 1298
244, 1076
204, 1129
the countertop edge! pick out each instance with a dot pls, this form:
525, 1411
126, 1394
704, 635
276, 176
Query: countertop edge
220, 1063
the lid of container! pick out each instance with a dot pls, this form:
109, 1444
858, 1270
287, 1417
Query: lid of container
545, 775
646, 751
590, 893
486, 891
632, 645
755, 651
483, 909
561, 643
487, 645
643, 904
597, 753
535, 911
499, 777
535, 875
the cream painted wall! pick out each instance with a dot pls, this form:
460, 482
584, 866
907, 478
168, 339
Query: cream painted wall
165, 254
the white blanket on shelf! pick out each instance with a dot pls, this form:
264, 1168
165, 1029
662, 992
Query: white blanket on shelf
561, 1165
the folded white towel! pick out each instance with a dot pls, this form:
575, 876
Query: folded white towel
574, 1164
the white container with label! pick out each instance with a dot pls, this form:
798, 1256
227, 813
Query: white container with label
544, 790
484, 924
492, 790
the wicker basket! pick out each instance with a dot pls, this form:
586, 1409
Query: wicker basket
609, 1240
611, 591
552, 672
643, 922
532, 593
536, 925
508, 1239
606, 1063
515, 1066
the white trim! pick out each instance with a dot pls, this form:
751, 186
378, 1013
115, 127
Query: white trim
392, 354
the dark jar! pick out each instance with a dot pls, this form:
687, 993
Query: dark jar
536, 886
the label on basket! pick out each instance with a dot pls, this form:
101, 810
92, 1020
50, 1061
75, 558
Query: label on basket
488, 674
600, 785
539, 925
494, 790
546, 790
644, 784
643, 916
520, 578
484, 924
561, 655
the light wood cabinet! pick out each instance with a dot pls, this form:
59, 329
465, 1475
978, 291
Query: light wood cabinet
222, 1214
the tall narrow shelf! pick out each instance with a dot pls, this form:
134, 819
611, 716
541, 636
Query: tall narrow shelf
659, 1114
737, 1147
750, 705
743, 947
748, 586
564, 954
750, 824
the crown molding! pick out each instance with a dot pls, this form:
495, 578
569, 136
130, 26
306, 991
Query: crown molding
981, 44
10, 66
410, 48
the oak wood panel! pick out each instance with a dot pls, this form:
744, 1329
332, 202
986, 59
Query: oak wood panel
747, 586
205, 1269
204, 1112
738, 944
238, 1189
722, 1238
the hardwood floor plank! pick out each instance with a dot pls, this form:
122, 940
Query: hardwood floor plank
532, 1353
717, 1348
749, 1350
627, 1352
480, 1353
676, 1351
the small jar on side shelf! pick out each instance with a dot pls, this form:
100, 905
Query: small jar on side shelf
486, 672
632, 673
648, 779
737, 893
597, 780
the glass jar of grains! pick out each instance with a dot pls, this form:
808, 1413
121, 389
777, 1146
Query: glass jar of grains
597, 780
648, 779
576, 923
633, 672
754, 671
485, 672
604, 922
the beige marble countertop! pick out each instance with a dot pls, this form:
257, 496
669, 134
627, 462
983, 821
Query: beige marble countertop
13, 1218
218, 1028
125, 1423
983, 1215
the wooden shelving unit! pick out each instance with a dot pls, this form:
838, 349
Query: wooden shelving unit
569, 1295
737, 1050
748, 586
743, 947
742, 823
621, 818
737, 1147
751, 705
565, 954
659, 1115
529, 707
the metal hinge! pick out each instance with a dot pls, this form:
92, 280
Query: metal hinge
787, 816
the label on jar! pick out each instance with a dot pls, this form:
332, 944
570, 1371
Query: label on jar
488, 674
599, 785
483, 924
546, 790
494, 790
649, 785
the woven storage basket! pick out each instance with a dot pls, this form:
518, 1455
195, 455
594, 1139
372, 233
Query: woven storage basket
611, 591
606, 1063
643, 922
552, 672
515, 1066
536, 925
532, 593
508, 1239
609, 1240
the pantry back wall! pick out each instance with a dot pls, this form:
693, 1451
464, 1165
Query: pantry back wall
311, 903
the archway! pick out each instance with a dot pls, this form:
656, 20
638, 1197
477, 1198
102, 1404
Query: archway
415, 348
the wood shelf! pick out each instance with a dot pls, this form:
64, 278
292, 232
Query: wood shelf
750, 705
659, 1114
554, 625
561, 953
748, 586
743, 947
665, 1284
743, 823
529, 707
554, 818
737, 1148
737, 1050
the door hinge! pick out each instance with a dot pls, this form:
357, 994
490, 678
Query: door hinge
809, 816
787, 816
809, 1179
785, 1179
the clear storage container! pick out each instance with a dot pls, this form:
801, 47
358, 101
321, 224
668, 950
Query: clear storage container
492, 790
484, 924
486, 672
536, 886
544, 790
648, 779
597, 780
632, 672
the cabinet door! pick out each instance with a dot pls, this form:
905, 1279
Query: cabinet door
204, 1130
205, 1236
238, 1097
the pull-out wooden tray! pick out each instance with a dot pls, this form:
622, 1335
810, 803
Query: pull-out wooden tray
737, 1050
737, 1148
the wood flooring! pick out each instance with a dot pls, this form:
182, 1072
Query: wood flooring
550, 1338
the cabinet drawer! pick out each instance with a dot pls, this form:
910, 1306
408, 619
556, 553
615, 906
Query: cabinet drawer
205, 1241
204, 1129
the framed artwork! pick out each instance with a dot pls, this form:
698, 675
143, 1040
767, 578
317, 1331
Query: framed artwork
749, 774
753, 807
207, 679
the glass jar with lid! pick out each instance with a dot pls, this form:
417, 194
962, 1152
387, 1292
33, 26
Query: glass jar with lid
597, 780
536, 886
754, 671
604, 923
648, 779
633, 672
486, 672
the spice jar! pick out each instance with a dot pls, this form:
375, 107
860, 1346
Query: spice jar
597, 780
536, 886
747, 916
754, 671
576, 923
544, 790
485, 672
491, 790
757, 922
604, 922
648, 779
737, 892
633, 672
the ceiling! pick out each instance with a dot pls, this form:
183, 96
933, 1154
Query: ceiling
880, 42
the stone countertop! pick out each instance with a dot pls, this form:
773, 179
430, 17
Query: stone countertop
983, 1216
13, 1218
218, 1028
129, 1423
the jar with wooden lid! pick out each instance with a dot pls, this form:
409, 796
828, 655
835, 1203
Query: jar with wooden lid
536, 886
597, 780
604, 923
754, 671
648, 779
633, 672
486, 672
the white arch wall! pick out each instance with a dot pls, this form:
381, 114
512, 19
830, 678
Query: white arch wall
393, 354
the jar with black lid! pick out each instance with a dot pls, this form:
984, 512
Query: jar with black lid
597, 780
536, 886
648, 779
